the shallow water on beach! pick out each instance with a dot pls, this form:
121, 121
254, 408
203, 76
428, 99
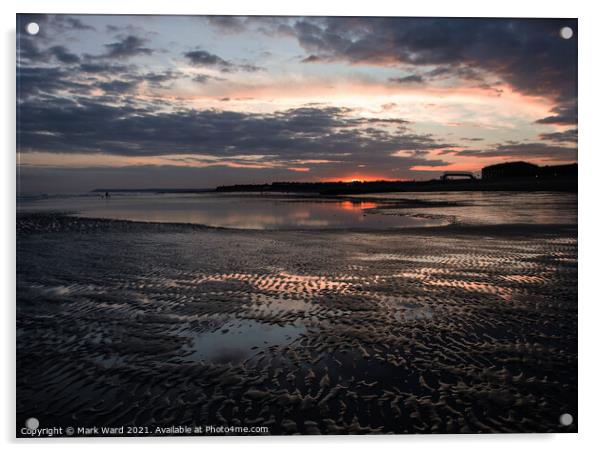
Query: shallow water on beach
237, 211
490, 207
283, 211
238, 340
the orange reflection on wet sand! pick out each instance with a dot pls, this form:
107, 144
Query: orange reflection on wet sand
350, 205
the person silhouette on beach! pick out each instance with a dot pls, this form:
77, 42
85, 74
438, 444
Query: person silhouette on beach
107, 196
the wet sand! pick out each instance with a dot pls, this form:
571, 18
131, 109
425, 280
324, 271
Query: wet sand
458, 329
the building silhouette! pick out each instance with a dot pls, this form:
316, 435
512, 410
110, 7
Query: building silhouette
510, 169
528, 170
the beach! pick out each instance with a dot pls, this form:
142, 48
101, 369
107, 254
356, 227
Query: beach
451, 328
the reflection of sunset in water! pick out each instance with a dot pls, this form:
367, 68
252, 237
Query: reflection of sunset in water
396, 210
239, 212
350, 205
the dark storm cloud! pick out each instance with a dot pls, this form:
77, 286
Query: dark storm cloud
525, 151
157, 79
34, 81
407, 79
86, 126
465, 73
247, 67
30, 52
127, 47
87, 103
33, 51
204, 78
207, 59
31, 48
564, 114
437, 74
160, 77
229, 24
105, 68
113, 80
386, 120
70, 23
527, 53
568, 136
40, 82
204, 58
267, 25
312, 59
118, 87
63, 55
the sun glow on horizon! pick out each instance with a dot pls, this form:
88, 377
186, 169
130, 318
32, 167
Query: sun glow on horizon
361, 178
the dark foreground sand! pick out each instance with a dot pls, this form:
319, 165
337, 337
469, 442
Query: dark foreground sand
435, 330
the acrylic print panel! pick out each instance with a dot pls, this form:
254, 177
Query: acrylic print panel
284, 225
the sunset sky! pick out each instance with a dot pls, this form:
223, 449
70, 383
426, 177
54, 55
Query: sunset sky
197, 101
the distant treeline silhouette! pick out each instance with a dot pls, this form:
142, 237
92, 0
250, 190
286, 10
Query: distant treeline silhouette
511, 176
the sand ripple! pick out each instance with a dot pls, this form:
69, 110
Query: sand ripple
302, 332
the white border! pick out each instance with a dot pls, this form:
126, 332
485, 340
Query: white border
590, 166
